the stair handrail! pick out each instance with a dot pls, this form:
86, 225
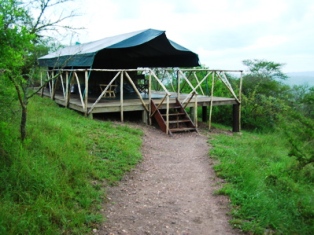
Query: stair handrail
168, 94
191, 97
162, 101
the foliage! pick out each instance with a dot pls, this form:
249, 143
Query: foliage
299, 131
268, 195
21, 42
265, 69
264, 96
302, 100
52, 183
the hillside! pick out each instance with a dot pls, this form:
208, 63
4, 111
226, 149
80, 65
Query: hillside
301, 78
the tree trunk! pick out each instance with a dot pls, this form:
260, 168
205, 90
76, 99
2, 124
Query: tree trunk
23, 122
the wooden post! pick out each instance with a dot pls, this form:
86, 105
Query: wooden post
178, 80
204, 113
49, 82
167, 116
121, 96
195, 111
67, 90
236, 119
52, 85
240, 99
86, 91
41, 84
211, 102
150, 96
144, 116
54, 88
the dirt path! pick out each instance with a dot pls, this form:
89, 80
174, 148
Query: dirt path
170, 192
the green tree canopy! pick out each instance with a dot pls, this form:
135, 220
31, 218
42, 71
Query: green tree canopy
22, 41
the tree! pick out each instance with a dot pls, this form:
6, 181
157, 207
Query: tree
264, 94
264, 77
22, 39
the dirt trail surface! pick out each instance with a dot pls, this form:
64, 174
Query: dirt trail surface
169, 192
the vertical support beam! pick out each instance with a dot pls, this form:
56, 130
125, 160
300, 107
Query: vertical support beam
121, 96
54, 88
195, 111
86, 92
179, 81
167, 116
150, 95
52, 91
67, 90
204, 113
240, 99
144, 116
211, 102
90, 116
49, 83
41, 84
236, 119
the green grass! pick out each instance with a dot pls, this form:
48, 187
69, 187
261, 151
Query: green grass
268, 194
53, 182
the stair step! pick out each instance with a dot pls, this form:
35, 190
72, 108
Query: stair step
173, 114
176, 111
178, 121
182, 129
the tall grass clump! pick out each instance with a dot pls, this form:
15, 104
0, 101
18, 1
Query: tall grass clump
52, 183
268, 196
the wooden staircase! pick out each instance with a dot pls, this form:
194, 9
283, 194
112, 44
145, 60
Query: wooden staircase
179, 120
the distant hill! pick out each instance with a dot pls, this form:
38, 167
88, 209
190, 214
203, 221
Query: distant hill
300, 78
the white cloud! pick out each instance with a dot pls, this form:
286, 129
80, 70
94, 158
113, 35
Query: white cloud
223, 32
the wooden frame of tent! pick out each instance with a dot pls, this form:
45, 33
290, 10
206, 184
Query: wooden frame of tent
85, 103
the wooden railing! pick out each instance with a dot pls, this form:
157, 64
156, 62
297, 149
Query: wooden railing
54, 75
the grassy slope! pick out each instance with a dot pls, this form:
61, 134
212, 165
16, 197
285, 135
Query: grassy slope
52, 183
267, 193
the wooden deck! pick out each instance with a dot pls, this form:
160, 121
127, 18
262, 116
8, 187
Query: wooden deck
168, 82
132, 103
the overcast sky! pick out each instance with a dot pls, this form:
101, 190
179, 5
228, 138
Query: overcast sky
222, 32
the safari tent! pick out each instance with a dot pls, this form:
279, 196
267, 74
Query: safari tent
145, 48
138, 71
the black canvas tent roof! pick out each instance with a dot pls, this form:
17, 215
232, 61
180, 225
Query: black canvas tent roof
145, 48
